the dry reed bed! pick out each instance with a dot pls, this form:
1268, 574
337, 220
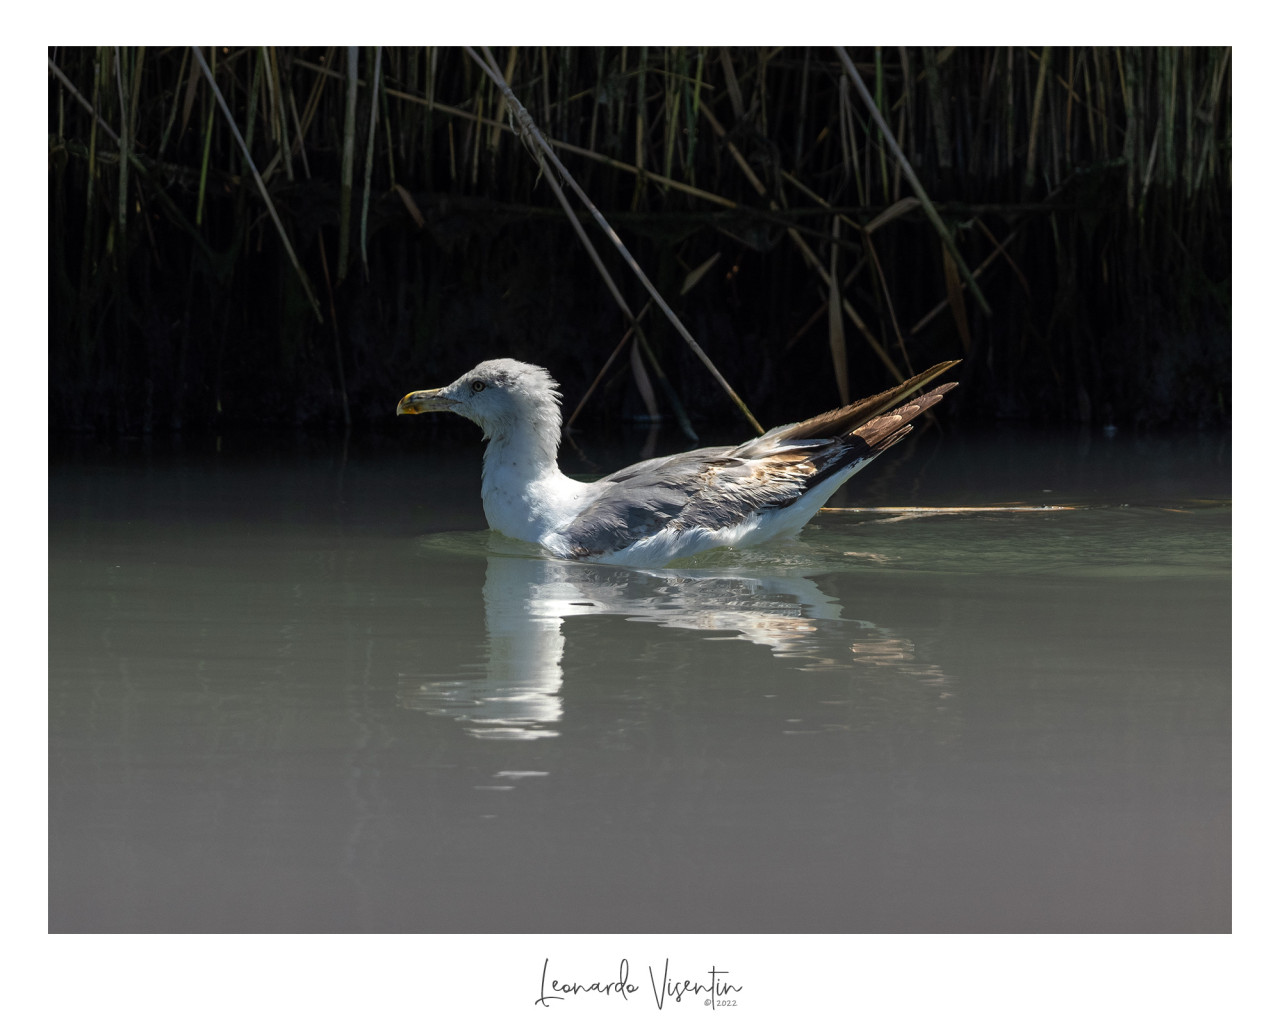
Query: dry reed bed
232, 227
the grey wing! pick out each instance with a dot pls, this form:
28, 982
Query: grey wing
709, 487
719, 487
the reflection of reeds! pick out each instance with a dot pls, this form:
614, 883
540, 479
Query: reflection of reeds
1079, 190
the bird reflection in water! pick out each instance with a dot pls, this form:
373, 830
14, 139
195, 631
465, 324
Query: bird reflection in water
527, 600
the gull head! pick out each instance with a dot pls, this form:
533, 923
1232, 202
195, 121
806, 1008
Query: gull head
503, 397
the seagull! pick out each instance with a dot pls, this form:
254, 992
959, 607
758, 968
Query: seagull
668, 508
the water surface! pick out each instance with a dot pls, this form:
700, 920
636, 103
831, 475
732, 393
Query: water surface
297, 687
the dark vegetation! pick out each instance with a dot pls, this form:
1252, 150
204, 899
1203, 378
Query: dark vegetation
1085, 192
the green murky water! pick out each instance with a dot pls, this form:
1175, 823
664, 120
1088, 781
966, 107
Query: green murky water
300, 689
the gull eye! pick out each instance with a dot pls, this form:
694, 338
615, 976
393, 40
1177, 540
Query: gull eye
477, 386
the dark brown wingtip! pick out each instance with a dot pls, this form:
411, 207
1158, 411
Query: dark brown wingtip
884, 431
907, 387
845, 420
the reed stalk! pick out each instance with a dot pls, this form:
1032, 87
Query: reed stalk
1087, 190
932, 212
262, 188
529, 130
368, 162
346, 184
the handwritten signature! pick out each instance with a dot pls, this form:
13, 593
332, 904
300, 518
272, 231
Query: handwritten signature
718, 992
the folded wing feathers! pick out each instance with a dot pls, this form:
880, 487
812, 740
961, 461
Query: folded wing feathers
714, 487
864, 441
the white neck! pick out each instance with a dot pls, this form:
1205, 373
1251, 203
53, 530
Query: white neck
524, 493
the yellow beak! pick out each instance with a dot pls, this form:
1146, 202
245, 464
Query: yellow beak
423, 401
